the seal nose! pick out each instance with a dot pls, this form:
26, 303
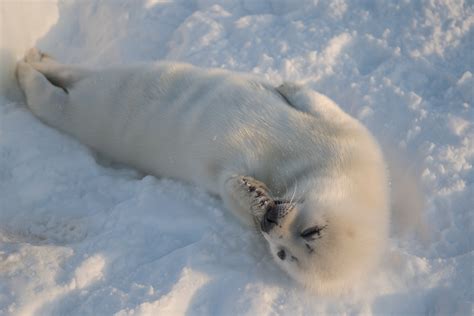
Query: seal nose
270, 219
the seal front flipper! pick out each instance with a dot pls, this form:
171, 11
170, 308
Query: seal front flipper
247, 197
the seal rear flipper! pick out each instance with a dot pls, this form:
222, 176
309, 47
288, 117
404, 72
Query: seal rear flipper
45, 100
62, 76
59, 75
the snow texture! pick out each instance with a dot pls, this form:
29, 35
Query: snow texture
80, 236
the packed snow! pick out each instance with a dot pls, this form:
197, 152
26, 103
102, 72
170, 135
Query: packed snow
81, 235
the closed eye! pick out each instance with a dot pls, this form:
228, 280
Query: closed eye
312, 232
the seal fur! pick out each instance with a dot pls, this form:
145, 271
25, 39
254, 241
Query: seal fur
286, 159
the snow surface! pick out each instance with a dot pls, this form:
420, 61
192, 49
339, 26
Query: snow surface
80, 236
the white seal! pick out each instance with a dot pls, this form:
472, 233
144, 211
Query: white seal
286, 159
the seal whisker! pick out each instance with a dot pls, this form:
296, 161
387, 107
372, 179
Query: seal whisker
294, 191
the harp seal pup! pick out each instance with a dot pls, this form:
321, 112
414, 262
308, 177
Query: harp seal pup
285, 159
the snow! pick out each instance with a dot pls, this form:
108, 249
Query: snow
80, 235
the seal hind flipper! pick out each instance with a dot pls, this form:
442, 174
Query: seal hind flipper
59, 75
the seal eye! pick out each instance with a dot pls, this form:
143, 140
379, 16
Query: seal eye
281, 254
312, 232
